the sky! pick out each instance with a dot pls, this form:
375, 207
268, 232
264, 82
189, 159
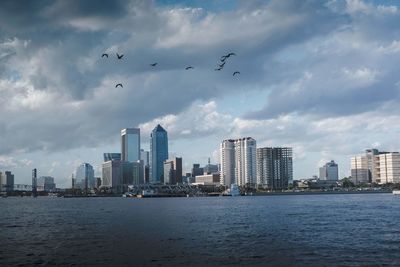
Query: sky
319, 76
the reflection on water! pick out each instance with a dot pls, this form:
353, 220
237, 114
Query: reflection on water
321, 230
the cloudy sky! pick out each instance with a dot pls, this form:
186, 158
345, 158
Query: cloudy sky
320, 76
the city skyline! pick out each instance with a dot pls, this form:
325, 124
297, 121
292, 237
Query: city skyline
322, 81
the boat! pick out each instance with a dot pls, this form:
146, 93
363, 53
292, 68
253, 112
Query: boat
396, 192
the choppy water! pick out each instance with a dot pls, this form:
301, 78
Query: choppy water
313, 230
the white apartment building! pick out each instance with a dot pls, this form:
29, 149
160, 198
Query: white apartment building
238, 162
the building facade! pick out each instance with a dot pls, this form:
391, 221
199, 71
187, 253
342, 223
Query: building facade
145, 158
173, 171
112, 175
46, 183
158, 154
208, 179
387, 167
274, 167
84, 176
130, 144
238, 162
111, 156
330, 171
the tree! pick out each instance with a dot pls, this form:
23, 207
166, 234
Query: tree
347, 183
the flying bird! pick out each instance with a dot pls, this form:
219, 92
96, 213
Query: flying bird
120, 84
154, 64
119, 56
223, 58
189, 67
104, 55
221, 65
236, 72
218, 69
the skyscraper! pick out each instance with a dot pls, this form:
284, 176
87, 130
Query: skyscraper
274, 167
363, 167
329, 171
112, 175
111, 156
130, 144
387, 167
158, 153
173, 171
34, 182
145, 158
8, 181
238, 162
84, 176
227, 154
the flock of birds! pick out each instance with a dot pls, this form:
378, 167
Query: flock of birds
219, 67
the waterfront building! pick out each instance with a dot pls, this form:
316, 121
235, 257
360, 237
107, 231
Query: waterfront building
173, 171
363, 167
7, 181
132, 173
130, 144
84, 176
210, 168
158, 154
34, 182
1, 181
112, 175
329, 171
238, 162
274, 167
111, 156
208, 179
387, 167
196, 170
46, 183
227, 154
145, 157
98, 182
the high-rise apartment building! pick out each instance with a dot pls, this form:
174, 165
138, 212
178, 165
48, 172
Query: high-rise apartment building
364, 168
387, 167
130, 144
158, 153
274, 167
173, 171
329, 171
238, 162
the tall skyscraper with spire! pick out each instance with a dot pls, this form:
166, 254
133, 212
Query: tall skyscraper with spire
158, 153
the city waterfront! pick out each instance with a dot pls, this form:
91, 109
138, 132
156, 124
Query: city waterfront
288, 230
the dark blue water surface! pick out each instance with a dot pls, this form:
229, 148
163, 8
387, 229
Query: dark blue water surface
307, 230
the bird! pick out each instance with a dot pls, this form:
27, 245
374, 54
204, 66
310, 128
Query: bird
189, 67
154, 64
221, 65
236, 72
218, 69
104, 55
120, 84
119, 56
223, 58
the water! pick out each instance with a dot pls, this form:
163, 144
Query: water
312, 230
